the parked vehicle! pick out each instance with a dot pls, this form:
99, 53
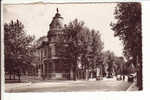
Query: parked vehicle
131, 77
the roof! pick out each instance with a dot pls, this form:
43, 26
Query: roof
57, 21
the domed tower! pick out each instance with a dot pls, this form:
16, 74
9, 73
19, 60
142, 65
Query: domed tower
57, 22
56, 27
59, 61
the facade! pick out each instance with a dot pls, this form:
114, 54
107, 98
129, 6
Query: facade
55, 62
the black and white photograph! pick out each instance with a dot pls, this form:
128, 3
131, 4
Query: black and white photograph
72, 47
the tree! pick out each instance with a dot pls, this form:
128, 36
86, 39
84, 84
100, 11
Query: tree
85, 44
128, 29
96, 46
73, 30
121, 68
108, 59
17, 43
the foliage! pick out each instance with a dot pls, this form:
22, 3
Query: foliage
128, 29
108, 59
86, 44
17, 43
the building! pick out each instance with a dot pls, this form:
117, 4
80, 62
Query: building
55, 62
54, 57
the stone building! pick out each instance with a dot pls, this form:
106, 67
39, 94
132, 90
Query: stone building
55, 62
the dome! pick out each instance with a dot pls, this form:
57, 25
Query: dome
57, 22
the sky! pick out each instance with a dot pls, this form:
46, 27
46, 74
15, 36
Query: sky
37, 17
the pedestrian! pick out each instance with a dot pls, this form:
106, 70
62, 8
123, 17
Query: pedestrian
123, 71
123, 77
18, 74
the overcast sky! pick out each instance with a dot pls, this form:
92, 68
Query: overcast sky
37, 17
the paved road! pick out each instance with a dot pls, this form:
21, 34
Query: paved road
69, 86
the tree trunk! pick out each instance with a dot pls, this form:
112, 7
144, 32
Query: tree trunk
14, 76
19, 76
86, 74
10, 75
71, 74
75, 68
139, 72
75, 73
139, 78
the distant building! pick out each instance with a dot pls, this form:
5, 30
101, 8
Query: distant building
54, 59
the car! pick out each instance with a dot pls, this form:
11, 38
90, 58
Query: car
131, 77
118, 77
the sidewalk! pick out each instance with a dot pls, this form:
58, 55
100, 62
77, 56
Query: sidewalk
133, 87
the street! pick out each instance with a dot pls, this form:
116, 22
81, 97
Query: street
69, 86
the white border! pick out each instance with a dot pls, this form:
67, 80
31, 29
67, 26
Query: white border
94, 95
66, 1
2, 55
